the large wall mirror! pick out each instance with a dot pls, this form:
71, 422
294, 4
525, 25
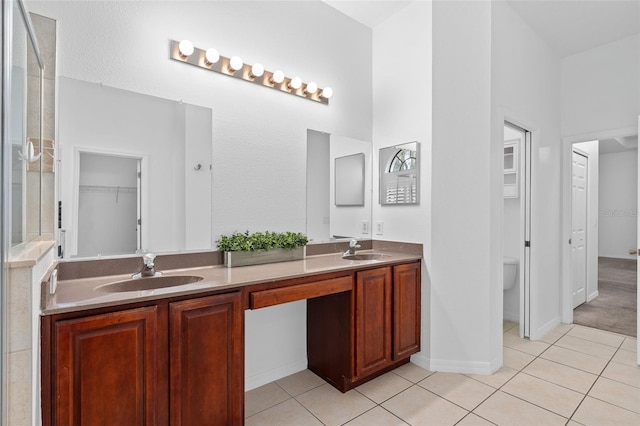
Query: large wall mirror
136, 172
119, 100
339, 177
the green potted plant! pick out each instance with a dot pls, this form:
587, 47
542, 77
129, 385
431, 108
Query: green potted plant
242, 249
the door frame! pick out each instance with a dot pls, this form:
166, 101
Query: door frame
566, 290
525, 185
72, 243
587, 232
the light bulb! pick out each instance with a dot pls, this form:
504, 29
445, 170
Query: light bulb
185, 47
211, 56
235, 63
327, 92
295, 83
277, 77
311, 88
257, 70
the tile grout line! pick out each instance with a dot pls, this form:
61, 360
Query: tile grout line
521, 372
540, 356
594, 383
599, 375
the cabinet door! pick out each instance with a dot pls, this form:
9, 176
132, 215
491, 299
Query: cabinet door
206, 361
372, 321
105, 369
406, 310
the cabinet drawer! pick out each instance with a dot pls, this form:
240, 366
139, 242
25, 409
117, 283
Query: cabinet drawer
276, 296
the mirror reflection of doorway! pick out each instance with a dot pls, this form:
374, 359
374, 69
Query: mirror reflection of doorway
108, 205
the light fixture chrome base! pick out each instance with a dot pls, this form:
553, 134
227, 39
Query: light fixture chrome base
223, 66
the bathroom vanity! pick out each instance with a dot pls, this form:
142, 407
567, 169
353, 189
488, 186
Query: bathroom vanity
175, 355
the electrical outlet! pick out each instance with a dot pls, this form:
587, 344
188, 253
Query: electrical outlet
379, 227
365, 226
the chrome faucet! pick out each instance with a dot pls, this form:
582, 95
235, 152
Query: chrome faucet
148, 267
353, 245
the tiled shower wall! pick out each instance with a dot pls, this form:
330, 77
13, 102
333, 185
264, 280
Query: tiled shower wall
45, 30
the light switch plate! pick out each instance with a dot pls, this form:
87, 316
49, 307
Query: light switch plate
379, 228
365, 226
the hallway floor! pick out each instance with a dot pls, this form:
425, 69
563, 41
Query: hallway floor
574, 375
615, 307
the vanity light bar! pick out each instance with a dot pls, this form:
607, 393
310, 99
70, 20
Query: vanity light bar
210, 59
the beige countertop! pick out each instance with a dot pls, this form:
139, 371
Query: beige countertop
81, 294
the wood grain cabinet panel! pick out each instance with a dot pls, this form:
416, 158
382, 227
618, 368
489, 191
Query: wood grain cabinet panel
206, 361
406, 310
106, 369
372, 320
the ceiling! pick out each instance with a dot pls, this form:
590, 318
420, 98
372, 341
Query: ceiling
567, 26
570, 27
610, 146
368, 12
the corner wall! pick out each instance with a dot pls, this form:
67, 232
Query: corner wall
465, 309
402, 112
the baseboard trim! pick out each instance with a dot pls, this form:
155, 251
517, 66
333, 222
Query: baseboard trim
463, 367
539, 333
275, 374
593, 296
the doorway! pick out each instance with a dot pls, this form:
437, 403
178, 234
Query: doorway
516, 227
611, 269
109, 217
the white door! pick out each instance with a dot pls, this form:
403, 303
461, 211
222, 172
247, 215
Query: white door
578, 228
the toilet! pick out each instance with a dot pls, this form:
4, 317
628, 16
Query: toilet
509, 271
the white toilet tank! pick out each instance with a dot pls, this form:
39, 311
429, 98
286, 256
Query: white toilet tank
510, 272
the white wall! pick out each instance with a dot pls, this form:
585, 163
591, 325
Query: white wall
526, 91
600, 88
463, 247
591, 148
126, 45
402, 111
618, 204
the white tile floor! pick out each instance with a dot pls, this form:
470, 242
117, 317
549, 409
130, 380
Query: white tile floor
574, 376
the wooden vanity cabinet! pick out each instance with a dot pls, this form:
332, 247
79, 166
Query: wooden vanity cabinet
206, 361
105, 368
352, 338
177, 363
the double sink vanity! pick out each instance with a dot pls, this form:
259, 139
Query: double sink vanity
170, 349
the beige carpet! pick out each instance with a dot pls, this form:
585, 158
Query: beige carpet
615, 307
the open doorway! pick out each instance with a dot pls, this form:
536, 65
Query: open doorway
516, 226
109, 219
609, 276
